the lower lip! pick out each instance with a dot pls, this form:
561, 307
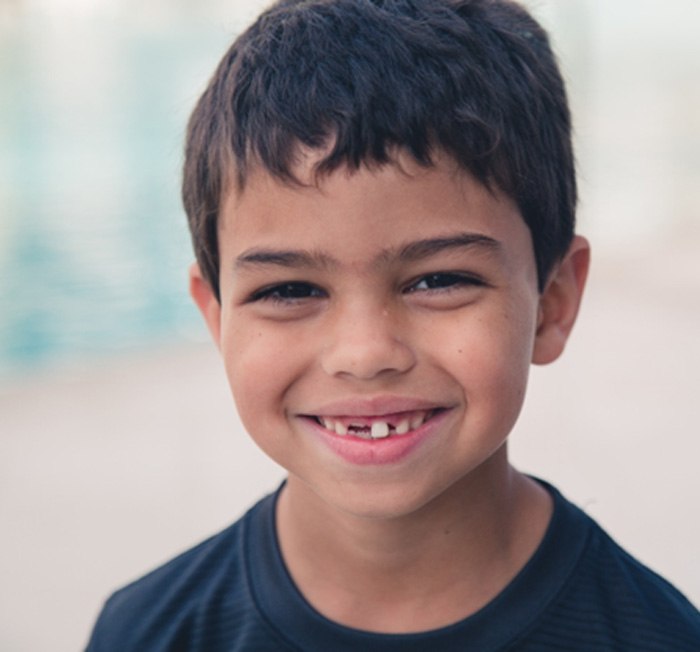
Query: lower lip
388, 450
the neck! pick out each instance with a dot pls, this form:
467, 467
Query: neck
414, 572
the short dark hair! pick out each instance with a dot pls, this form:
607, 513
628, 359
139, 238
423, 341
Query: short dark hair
476, 79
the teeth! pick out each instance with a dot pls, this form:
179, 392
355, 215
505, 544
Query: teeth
380, 429
402, 427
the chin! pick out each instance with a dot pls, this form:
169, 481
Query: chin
381, 499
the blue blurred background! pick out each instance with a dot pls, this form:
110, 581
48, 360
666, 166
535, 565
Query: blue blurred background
93, 241
119, 445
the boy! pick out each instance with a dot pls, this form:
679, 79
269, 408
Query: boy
381, 195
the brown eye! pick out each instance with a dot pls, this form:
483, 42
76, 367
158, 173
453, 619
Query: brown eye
443, 281
288, 292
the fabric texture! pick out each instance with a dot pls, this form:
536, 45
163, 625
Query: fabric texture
578, 593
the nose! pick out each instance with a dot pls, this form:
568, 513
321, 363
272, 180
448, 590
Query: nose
365, 344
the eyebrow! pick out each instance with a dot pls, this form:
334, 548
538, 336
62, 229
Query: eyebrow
280, 258
425, 248
413, 251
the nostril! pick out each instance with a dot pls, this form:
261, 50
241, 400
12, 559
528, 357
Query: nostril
367, 357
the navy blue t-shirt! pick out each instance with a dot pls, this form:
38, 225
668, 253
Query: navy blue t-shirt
580, 592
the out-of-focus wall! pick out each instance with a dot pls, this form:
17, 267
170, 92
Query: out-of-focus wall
633, 68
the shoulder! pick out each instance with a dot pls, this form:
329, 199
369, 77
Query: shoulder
610, 598
174, 604
646, 602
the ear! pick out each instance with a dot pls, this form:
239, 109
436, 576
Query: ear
206, 301
560, 301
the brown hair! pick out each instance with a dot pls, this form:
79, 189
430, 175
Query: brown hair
474, 78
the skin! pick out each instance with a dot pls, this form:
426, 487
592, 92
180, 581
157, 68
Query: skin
329, 293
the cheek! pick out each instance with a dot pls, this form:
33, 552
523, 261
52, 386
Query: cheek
490, 356
260, 365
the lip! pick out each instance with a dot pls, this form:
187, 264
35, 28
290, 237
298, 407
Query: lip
376, 452
377, 406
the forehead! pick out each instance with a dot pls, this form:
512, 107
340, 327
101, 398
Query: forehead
353, 214
307, 183
306, 172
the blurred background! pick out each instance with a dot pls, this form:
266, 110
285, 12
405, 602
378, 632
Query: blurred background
119, 446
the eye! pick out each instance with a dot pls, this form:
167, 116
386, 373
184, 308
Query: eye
291, 292
444, 281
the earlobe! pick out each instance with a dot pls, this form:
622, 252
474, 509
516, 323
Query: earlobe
206, 301
560, 301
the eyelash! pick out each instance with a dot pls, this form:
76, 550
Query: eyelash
295, 291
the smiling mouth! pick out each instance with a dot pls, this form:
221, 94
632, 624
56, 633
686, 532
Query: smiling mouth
378, 427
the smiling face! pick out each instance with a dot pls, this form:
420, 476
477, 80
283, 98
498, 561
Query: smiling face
376, 329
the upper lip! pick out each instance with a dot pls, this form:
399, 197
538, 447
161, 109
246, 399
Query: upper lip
376, 406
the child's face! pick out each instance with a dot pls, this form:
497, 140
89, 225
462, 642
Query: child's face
380, 300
